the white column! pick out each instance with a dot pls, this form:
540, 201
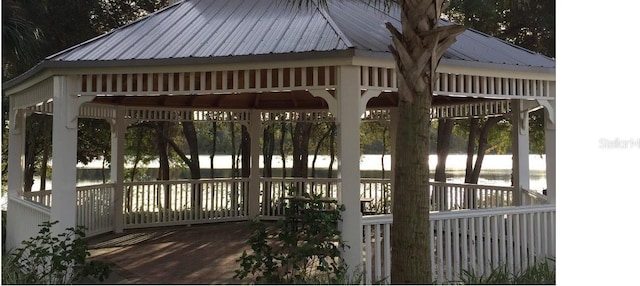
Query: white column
550, 149
255, 131
15, 172
64, 157
520, 147
118, 130
348, 93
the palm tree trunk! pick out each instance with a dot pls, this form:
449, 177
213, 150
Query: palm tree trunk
417, 51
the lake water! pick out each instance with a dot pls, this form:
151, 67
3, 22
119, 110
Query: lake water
496, 169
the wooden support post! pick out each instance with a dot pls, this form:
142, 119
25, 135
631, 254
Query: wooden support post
550, 149
520, 147
349, 101
64, 144
15, 172
118, 130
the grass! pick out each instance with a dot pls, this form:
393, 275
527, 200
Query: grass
540, 273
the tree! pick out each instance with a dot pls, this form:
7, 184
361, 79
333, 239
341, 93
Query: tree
34, 29
417, 49
478, 137
445, 128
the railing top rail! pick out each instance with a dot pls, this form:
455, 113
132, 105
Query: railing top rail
36, 193
535, 194
468, 213
38, 207
377, 219
186, 181
291, 179
466, 185
366, 180
89, 187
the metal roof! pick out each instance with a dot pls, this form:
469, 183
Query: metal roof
230, 30
215, 28
364, 26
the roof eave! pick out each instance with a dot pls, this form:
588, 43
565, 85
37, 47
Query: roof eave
264, 58
497, 70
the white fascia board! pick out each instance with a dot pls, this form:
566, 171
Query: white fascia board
29, 82
385, 60
496, 70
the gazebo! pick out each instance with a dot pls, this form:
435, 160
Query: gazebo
256, 62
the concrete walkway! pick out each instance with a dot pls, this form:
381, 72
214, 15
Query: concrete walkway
202, 254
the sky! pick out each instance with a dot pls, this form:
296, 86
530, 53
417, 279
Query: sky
598, 141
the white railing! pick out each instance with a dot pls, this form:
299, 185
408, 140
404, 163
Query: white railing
24, 218
42, 197
449, 196
95, 208
444, 196
377, 248
530, 198
473, 240
274, 190
175, 202
379, 192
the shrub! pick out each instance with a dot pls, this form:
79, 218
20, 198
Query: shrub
303, 248
539, 273
49, 259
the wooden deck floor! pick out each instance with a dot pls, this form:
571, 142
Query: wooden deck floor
201, 254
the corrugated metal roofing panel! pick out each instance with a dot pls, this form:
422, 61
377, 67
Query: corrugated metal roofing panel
213, 28
364, 27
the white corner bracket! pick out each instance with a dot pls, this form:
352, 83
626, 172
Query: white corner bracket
551, 112
331, 101
369, 94
75, 102
15, 123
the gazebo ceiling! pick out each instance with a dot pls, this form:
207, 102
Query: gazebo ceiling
264, 101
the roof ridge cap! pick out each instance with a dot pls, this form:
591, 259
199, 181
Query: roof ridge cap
325, 13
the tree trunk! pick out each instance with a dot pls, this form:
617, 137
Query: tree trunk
445, 126
34, 128
417, 51
317, 150
268, 146
300, 140
234, 167
163, 156
483, 144
246, 152
283, 156
136, 160
46, 145
384, 148
332, 149
214, 134
190, 134
471, 148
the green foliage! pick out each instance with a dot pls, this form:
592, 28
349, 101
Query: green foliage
529, 24
52, 259
303, 248
540, 273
